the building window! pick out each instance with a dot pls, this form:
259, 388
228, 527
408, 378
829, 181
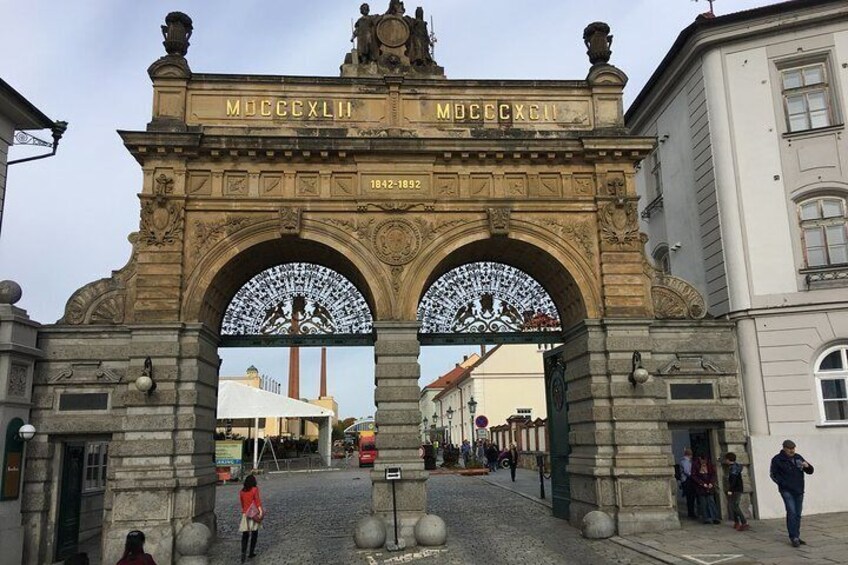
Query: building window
524, 411
832, 385
655, 164
823, 228
806, 97
662, 259
94, 472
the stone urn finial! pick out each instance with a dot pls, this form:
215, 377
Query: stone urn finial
177, 31
598, 42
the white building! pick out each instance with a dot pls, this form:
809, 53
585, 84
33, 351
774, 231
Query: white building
745, 196
18, 353
508, 380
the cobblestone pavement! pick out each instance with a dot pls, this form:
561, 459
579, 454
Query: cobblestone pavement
311, 518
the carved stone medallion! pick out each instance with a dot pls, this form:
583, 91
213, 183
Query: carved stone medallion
396, 242
393, 31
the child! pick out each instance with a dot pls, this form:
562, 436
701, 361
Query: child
734, 492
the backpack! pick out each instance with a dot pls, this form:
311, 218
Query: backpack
678, 472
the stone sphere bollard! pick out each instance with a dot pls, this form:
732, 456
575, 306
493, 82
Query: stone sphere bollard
370, 533
10, 292
430, 530
193, 543
598, 525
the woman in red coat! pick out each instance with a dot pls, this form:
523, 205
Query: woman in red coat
251, 516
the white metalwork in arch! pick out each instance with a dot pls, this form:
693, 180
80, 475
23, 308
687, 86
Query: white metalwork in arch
487, 297
297, 299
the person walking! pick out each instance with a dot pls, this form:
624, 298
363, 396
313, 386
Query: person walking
704, 476
466, 452
134, 550
787, 471
252, 514
492, 457
480, 453
687, 486
734, 491
512, 456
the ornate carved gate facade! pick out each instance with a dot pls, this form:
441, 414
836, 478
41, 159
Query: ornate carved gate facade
391, 176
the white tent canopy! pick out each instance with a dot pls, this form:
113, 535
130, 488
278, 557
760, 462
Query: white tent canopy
236, 400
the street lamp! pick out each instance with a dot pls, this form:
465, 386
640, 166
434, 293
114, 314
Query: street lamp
472, 408
450, 417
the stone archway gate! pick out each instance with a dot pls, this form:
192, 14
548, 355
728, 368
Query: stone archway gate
390, 175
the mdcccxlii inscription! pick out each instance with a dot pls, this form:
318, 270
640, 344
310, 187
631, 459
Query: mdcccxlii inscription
343, 109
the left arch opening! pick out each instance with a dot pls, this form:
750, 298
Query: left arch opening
297, 299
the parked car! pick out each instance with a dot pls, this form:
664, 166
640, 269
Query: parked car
503, 459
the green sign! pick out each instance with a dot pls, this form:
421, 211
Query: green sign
228, 452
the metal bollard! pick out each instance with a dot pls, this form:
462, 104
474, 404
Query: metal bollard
540, 464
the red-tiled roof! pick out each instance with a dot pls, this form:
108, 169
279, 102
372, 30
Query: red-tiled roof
447, 378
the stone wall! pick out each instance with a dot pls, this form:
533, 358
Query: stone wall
621, 460
161, 473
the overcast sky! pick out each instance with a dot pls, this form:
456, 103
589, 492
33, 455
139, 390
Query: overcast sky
85, 61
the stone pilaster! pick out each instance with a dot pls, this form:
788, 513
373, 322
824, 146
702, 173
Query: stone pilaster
164, 475
397, 418
18, 353
619, 462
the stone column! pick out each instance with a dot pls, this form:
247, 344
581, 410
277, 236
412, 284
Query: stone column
18, 353
397, 419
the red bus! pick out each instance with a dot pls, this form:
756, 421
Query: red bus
367, 449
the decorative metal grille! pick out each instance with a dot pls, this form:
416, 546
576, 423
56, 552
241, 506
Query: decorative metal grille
297, 298
487, 297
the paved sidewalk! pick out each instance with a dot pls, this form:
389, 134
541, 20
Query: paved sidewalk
526, 484
766, 543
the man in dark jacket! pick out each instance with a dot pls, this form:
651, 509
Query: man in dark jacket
787, 470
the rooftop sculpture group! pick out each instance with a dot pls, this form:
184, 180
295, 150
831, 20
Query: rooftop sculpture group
392, 42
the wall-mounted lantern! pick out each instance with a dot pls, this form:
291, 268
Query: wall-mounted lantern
638, 374
145, 382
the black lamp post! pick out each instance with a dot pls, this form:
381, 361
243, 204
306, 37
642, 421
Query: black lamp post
472, 408
424, 421
450, 417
